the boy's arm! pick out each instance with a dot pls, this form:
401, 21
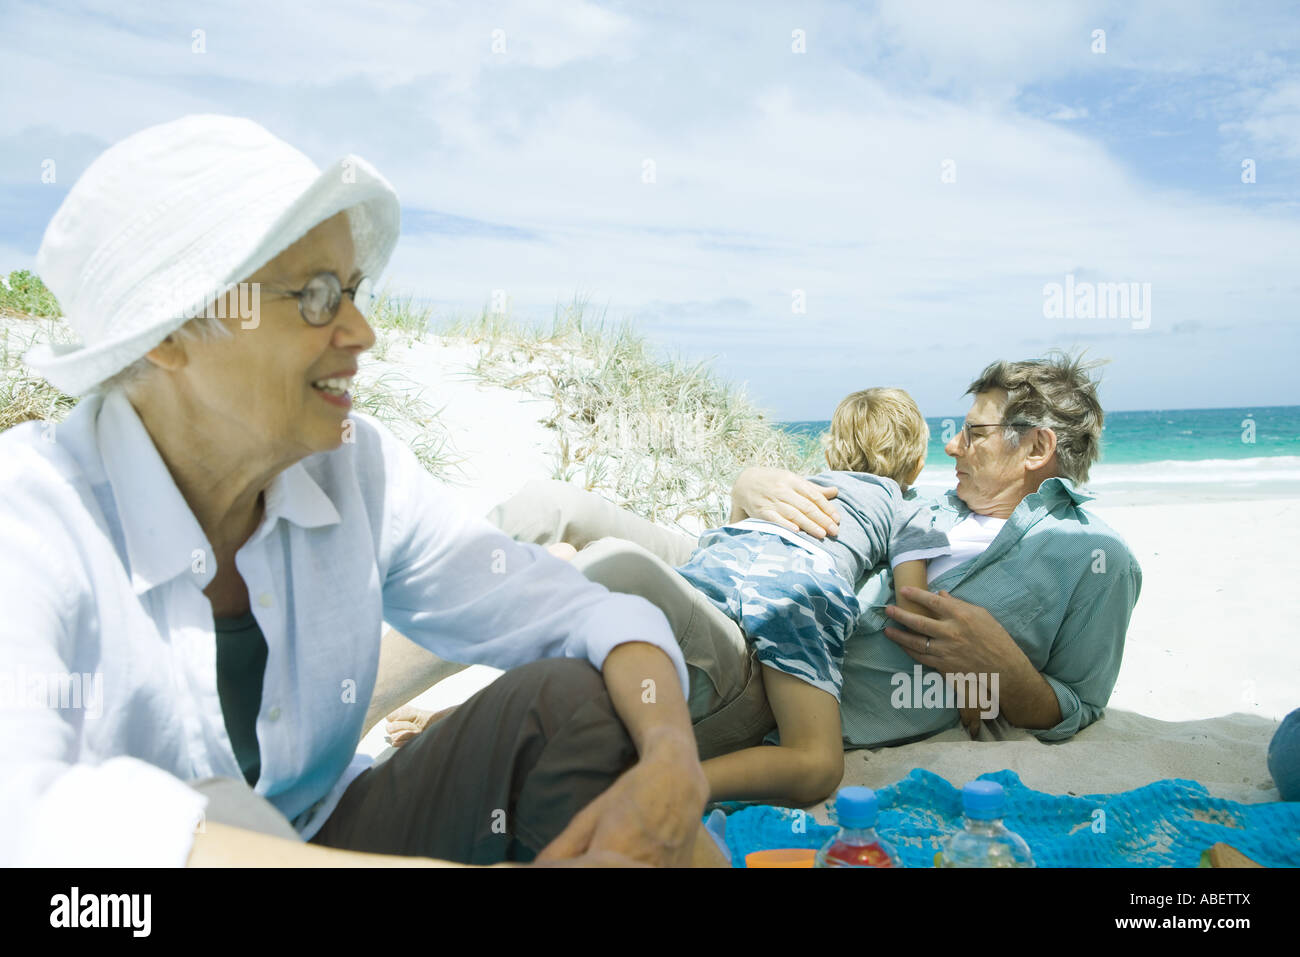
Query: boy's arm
913, 573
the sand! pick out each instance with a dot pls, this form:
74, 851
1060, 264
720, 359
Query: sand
1210, 668
497, 435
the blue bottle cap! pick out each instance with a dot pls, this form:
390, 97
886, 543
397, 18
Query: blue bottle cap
982, 800
856, 807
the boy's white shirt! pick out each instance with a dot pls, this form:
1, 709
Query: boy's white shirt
762, 525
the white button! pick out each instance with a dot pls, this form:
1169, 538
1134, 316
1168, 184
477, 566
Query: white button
274, 714
265, 599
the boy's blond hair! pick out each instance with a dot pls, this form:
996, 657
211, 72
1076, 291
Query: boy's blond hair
880, 431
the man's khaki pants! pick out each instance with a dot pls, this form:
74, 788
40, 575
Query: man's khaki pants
626, 553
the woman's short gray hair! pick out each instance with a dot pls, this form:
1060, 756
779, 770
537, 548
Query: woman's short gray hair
1054, 392
198, 329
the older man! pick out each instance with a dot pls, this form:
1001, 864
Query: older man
1033, 604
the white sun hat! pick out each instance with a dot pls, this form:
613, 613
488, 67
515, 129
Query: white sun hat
171, 217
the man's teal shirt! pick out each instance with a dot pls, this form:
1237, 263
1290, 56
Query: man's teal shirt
1057, 578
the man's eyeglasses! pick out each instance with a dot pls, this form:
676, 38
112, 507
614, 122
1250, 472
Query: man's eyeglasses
319, 300
968, 437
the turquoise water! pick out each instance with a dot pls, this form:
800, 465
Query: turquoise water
1136, 438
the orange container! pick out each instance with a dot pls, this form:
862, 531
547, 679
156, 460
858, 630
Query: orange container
782, 857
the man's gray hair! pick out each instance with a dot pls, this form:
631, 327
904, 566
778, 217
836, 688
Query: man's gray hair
198, 329
1054, 392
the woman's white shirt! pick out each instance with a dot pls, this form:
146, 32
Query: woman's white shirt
108, 693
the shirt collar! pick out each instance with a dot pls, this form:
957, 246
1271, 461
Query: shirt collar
163, 538
296, 497
1057, 487
1049, 491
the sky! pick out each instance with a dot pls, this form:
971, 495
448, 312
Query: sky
819, 197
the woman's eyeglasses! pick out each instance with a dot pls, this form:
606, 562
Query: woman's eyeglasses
319, 300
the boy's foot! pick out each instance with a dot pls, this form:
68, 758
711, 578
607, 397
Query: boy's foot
406, 722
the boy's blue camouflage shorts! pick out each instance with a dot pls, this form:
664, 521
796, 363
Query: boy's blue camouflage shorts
791, 602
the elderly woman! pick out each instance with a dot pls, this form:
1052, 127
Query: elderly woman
1036, 597
197, 563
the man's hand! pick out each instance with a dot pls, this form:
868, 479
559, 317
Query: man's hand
961, 638
957, 637
789, 500
650, 814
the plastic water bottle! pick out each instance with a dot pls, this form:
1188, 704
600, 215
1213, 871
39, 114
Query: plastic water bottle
983, 841
856, 844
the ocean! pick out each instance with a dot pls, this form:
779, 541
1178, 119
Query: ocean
1240, 447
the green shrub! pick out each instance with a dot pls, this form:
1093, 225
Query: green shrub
24, 294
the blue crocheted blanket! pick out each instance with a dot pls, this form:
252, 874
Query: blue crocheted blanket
1165, 824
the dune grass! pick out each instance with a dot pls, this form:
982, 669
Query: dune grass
397, 318
22, 294
661, 436
25, 396
392, 398
28, 315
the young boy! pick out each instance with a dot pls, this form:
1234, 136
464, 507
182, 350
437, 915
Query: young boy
794, 596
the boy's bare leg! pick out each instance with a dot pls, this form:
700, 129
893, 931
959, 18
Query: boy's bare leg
808, 763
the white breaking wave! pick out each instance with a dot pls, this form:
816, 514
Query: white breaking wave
1276, 468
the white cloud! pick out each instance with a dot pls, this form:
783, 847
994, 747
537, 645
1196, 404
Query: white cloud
1272, 121
774, 171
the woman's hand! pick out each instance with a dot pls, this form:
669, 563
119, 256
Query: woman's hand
406, 722
651, 813
789, 500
